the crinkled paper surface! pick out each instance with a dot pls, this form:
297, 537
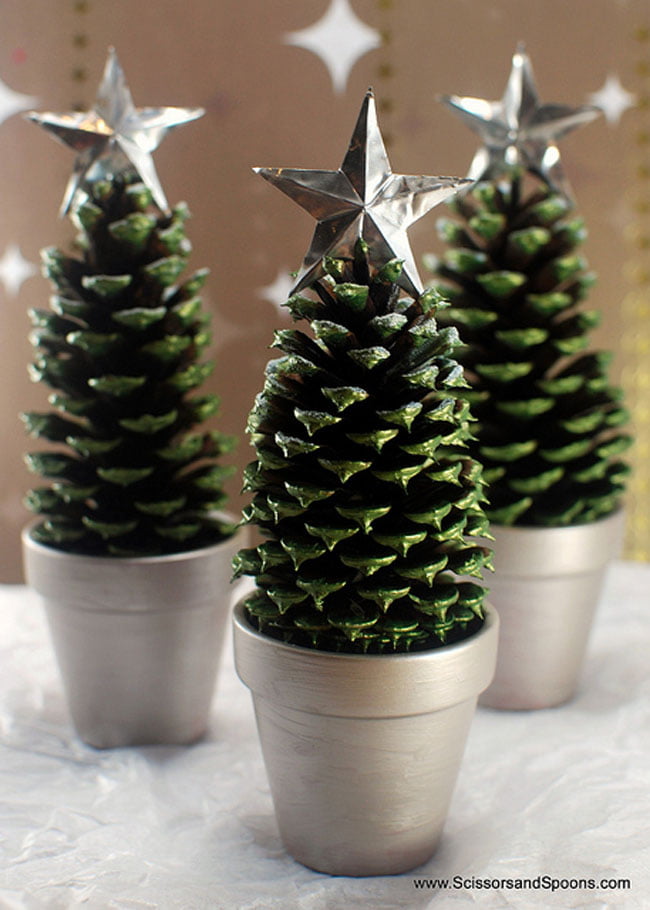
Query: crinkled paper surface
562, 793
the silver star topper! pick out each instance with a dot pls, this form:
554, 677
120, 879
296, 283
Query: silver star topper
363, 199
114, 137
518, 131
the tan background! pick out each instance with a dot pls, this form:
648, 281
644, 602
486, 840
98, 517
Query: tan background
271, 103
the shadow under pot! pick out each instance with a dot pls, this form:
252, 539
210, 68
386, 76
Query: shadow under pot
362, 751
546, 587
137, 639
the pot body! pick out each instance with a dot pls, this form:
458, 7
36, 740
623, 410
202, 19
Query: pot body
546, 587
362, 751
137, 640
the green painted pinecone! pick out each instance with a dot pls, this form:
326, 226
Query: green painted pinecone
547, 416
363, 489
121, 346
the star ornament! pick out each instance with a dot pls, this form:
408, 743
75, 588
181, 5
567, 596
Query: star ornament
114, 137
518, 131
362, 200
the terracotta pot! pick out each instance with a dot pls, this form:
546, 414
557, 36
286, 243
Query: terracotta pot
362, 751
546, 587
138, 640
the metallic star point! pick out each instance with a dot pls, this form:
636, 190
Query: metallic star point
363, 199
114, 137
518, 131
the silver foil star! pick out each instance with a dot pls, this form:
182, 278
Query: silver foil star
363, 199
518, 131
114, 137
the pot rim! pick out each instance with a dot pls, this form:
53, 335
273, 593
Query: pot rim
87, 559
150, 584
535, 550
617, 513
371, 685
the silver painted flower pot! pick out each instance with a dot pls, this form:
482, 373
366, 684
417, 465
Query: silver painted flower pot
546, 587
362, 751
137, 640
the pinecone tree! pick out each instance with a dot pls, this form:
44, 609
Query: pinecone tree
548, 418
122, 347
363, 489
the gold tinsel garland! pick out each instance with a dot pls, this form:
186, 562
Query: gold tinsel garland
636, 310
79, 71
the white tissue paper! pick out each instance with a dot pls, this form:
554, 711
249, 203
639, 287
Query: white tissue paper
545, 800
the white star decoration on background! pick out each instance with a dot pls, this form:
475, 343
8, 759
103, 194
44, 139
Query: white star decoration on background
115, 136
12, 102
14, 269
365, 200
278, 291
340, 39
613, 99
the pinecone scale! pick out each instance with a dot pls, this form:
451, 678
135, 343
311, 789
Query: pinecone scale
547, 417
362, 485
122, 347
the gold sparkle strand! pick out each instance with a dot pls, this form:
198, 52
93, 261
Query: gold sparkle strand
636, 313
79, 42
386, 68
